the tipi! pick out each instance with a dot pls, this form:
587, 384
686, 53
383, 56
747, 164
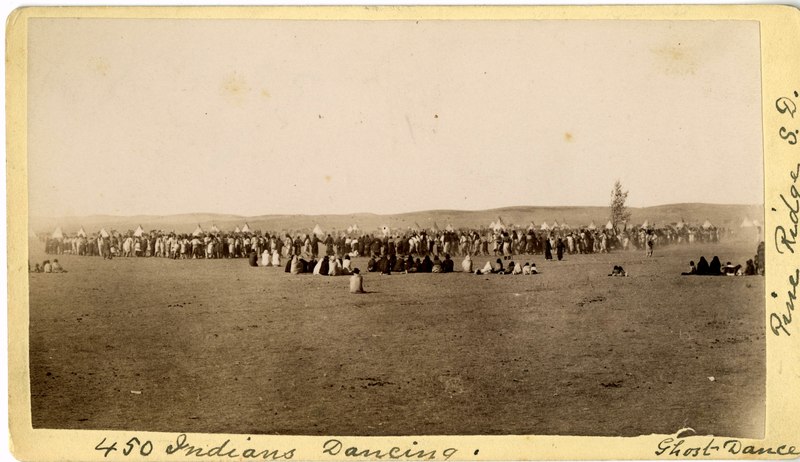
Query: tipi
82, 232
318, 231
197, 231
58, 234
139, 231
246, 228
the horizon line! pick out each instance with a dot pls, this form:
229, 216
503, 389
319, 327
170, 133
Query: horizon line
387, 214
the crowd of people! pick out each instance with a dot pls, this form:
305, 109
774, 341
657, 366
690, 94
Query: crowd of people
47, 267
752, 267
552, 244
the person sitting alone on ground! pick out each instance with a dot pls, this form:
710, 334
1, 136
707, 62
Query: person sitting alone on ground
466, 265
618, 271
750, 268
356, 282
57, 268
692, 269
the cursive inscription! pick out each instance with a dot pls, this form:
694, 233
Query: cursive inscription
335, 447
786, 236
778, 323
225, 450
681, 448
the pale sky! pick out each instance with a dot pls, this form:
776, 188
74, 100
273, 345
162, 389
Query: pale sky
256, 117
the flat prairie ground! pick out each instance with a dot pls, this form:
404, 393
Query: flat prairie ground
218, 346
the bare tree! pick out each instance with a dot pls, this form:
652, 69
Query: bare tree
619, 212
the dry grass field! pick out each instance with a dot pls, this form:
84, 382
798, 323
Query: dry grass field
218, 346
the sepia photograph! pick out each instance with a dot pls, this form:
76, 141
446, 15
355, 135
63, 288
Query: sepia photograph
396, 227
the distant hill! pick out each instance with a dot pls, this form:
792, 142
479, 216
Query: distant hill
726, 215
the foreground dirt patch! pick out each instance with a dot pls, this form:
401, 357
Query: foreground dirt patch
217, 346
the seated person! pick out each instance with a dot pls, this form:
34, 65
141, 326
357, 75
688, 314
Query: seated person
253, 258
692, 269
487, 269
356, 282
749, 270
276, 258
437, 265
47, 267
618, 271
526, 268
426, 266
498, 267
298, 265
36, 268
730, 270
466, 265
514, 268
715, 267
533, 268
702, 267
399, 265
308, 266
57, 267
447, 264
372, 265
334, 267
347, 265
